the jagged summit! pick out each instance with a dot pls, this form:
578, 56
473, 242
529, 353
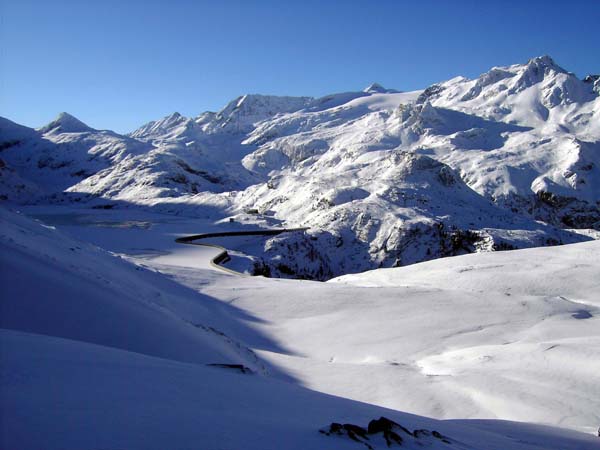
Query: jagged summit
545, 62
241, 114
174, 115
376, 88
160, 127
66, 123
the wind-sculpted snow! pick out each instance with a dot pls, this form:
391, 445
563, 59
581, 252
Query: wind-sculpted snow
517, 145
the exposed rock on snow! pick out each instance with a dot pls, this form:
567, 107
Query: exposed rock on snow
385, 433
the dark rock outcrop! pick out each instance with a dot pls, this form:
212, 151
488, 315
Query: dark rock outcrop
385, 433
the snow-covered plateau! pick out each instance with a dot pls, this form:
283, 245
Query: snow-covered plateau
113, 335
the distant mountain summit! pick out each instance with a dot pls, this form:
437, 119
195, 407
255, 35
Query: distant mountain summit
376, 88
65, 123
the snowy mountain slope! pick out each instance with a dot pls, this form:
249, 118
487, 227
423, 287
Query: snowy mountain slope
103, 354
169, 127
190, 155
525, 138
61, 154
511, 335
243, 113
237, 117
168, 171
57, 286
385, 209
542, 271
68, 157
558, 156
78, 395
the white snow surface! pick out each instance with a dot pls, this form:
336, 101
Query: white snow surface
108, 327
106, 348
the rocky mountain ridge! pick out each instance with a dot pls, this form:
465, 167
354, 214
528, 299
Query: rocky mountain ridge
382, 177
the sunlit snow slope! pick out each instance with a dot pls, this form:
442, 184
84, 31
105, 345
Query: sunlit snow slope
512, 335
97, 352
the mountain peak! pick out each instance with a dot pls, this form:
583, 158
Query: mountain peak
243, 112
172, 119
66, 123
376, 88
545, 62
161, 127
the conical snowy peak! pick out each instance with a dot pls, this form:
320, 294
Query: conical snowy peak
66, 123
376, 88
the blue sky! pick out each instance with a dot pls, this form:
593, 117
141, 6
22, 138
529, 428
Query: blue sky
119, 64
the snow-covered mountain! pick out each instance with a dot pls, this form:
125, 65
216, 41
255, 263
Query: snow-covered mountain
381, 177
58, 156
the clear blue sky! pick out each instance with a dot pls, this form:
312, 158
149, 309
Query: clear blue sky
119, 64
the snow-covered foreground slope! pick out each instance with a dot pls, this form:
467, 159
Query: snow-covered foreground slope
97, 352
56, 286
64, 394
512, 335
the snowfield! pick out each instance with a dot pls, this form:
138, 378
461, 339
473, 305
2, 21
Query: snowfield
119, 345
393, 318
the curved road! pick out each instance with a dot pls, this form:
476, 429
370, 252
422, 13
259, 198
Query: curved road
223, 256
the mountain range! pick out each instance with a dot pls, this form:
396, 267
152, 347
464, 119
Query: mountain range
383, 178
